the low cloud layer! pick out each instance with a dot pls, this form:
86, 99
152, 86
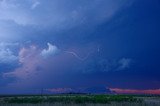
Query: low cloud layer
29, 61
7, 56
107, 65
50, 51
36, 63
136, 91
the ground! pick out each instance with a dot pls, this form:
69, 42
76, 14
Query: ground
79, 100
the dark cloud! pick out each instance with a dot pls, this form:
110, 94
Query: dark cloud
90, 42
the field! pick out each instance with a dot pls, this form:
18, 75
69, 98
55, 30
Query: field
80, 100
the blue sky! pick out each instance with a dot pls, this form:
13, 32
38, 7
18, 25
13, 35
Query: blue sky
83, 43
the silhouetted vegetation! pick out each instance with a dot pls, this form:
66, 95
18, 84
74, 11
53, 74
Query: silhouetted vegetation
103, 99
79, 100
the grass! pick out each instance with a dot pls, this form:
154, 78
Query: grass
66, 99
78, 100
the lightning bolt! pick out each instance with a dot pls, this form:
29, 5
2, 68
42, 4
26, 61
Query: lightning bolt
77, 56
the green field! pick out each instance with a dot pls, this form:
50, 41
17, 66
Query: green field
80, 100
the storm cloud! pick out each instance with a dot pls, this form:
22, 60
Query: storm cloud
82, 43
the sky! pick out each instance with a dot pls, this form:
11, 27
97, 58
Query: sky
51, 44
